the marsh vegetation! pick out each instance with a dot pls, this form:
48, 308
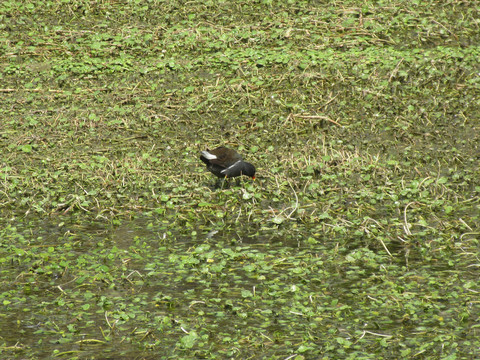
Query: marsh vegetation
358, 240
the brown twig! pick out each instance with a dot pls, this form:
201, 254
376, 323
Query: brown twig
317, 117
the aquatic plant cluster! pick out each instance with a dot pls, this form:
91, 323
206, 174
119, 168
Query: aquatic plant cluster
357, 240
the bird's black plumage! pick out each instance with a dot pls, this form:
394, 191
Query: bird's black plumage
226, 163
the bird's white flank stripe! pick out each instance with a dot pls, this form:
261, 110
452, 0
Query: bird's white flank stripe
224, 171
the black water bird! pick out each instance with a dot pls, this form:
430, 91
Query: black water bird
226, 163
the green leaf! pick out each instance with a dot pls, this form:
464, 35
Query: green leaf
278, 220
188, 341
26, 148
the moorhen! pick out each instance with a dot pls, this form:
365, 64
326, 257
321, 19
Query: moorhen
226, 163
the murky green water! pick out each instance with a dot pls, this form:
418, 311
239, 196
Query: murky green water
84, 290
